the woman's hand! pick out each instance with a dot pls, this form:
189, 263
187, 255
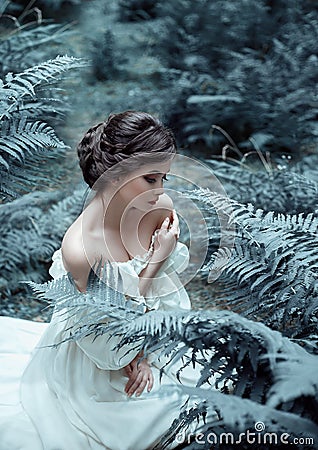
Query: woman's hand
164, 243
166, 238
139, 376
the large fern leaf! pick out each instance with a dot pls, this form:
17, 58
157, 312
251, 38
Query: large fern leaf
23, 137
31, 229
23, 39
271, 272
24, 84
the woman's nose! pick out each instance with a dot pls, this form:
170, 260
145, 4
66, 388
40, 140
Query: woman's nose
159, 191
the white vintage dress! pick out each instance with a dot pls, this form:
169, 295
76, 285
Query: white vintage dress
71, 397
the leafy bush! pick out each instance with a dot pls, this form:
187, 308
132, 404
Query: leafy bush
30, 101
136, 10
254, 78
26, 38
30, 106
58, 4
30, 46
270, 274
32, 227
24, 139
104, 57
55, 5
280, 186
199, 34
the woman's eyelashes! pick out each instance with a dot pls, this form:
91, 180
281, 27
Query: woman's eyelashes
153, 180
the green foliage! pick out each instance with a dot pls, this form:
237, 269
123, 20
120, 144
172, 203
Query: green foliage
55, 5
271, 273
248, 67
24, 46
26, 38
257, 365
242, 65
104, 57
23, 136
31, 104
279, 187
208, 30
136, 10
32, 227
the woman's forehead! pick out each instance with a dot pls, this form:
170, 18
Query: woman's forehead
160, 167
154, 168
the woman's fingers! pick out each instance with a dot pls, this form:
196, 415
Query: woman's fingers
134, 386
171, 224
138, 381
139, 385
139, 390
175, 223
132, 379
151, 381
165, 224
128, 370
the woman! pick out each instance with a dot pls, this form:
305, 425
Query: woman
82, 394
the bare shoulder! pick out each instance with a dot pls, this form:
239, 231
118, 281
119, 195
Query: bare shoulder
72, 249
165, 202
164, 208
74, 257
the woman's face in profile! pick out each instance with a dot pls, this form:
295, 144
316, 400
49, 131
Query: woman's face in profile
142, 188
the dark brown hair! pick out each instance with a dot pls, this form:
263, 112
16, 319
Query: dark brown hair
132, 136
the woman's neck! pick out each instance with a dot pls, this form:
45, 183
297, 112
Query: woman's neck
107, 211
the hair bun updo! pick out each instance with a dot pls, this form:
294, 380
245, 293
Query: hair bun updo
122, 136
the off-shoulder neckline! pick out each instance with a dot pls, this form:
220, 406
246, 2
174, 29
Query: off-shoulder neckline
137, 258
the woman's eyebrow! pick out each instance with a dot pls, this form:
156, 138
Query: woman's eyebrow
155, 172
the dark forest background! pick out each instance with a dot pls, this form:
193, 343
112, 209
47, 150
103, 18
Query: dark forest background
236, 80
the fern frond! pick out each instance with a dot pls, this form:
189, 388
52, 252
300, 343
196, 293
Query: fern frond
210, 417
31, 229
286, 389
89, 311
22, 137
23, 40
23, 84
273, 264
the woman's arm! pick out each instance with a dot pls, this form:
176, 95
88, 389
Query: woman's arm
140, 374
